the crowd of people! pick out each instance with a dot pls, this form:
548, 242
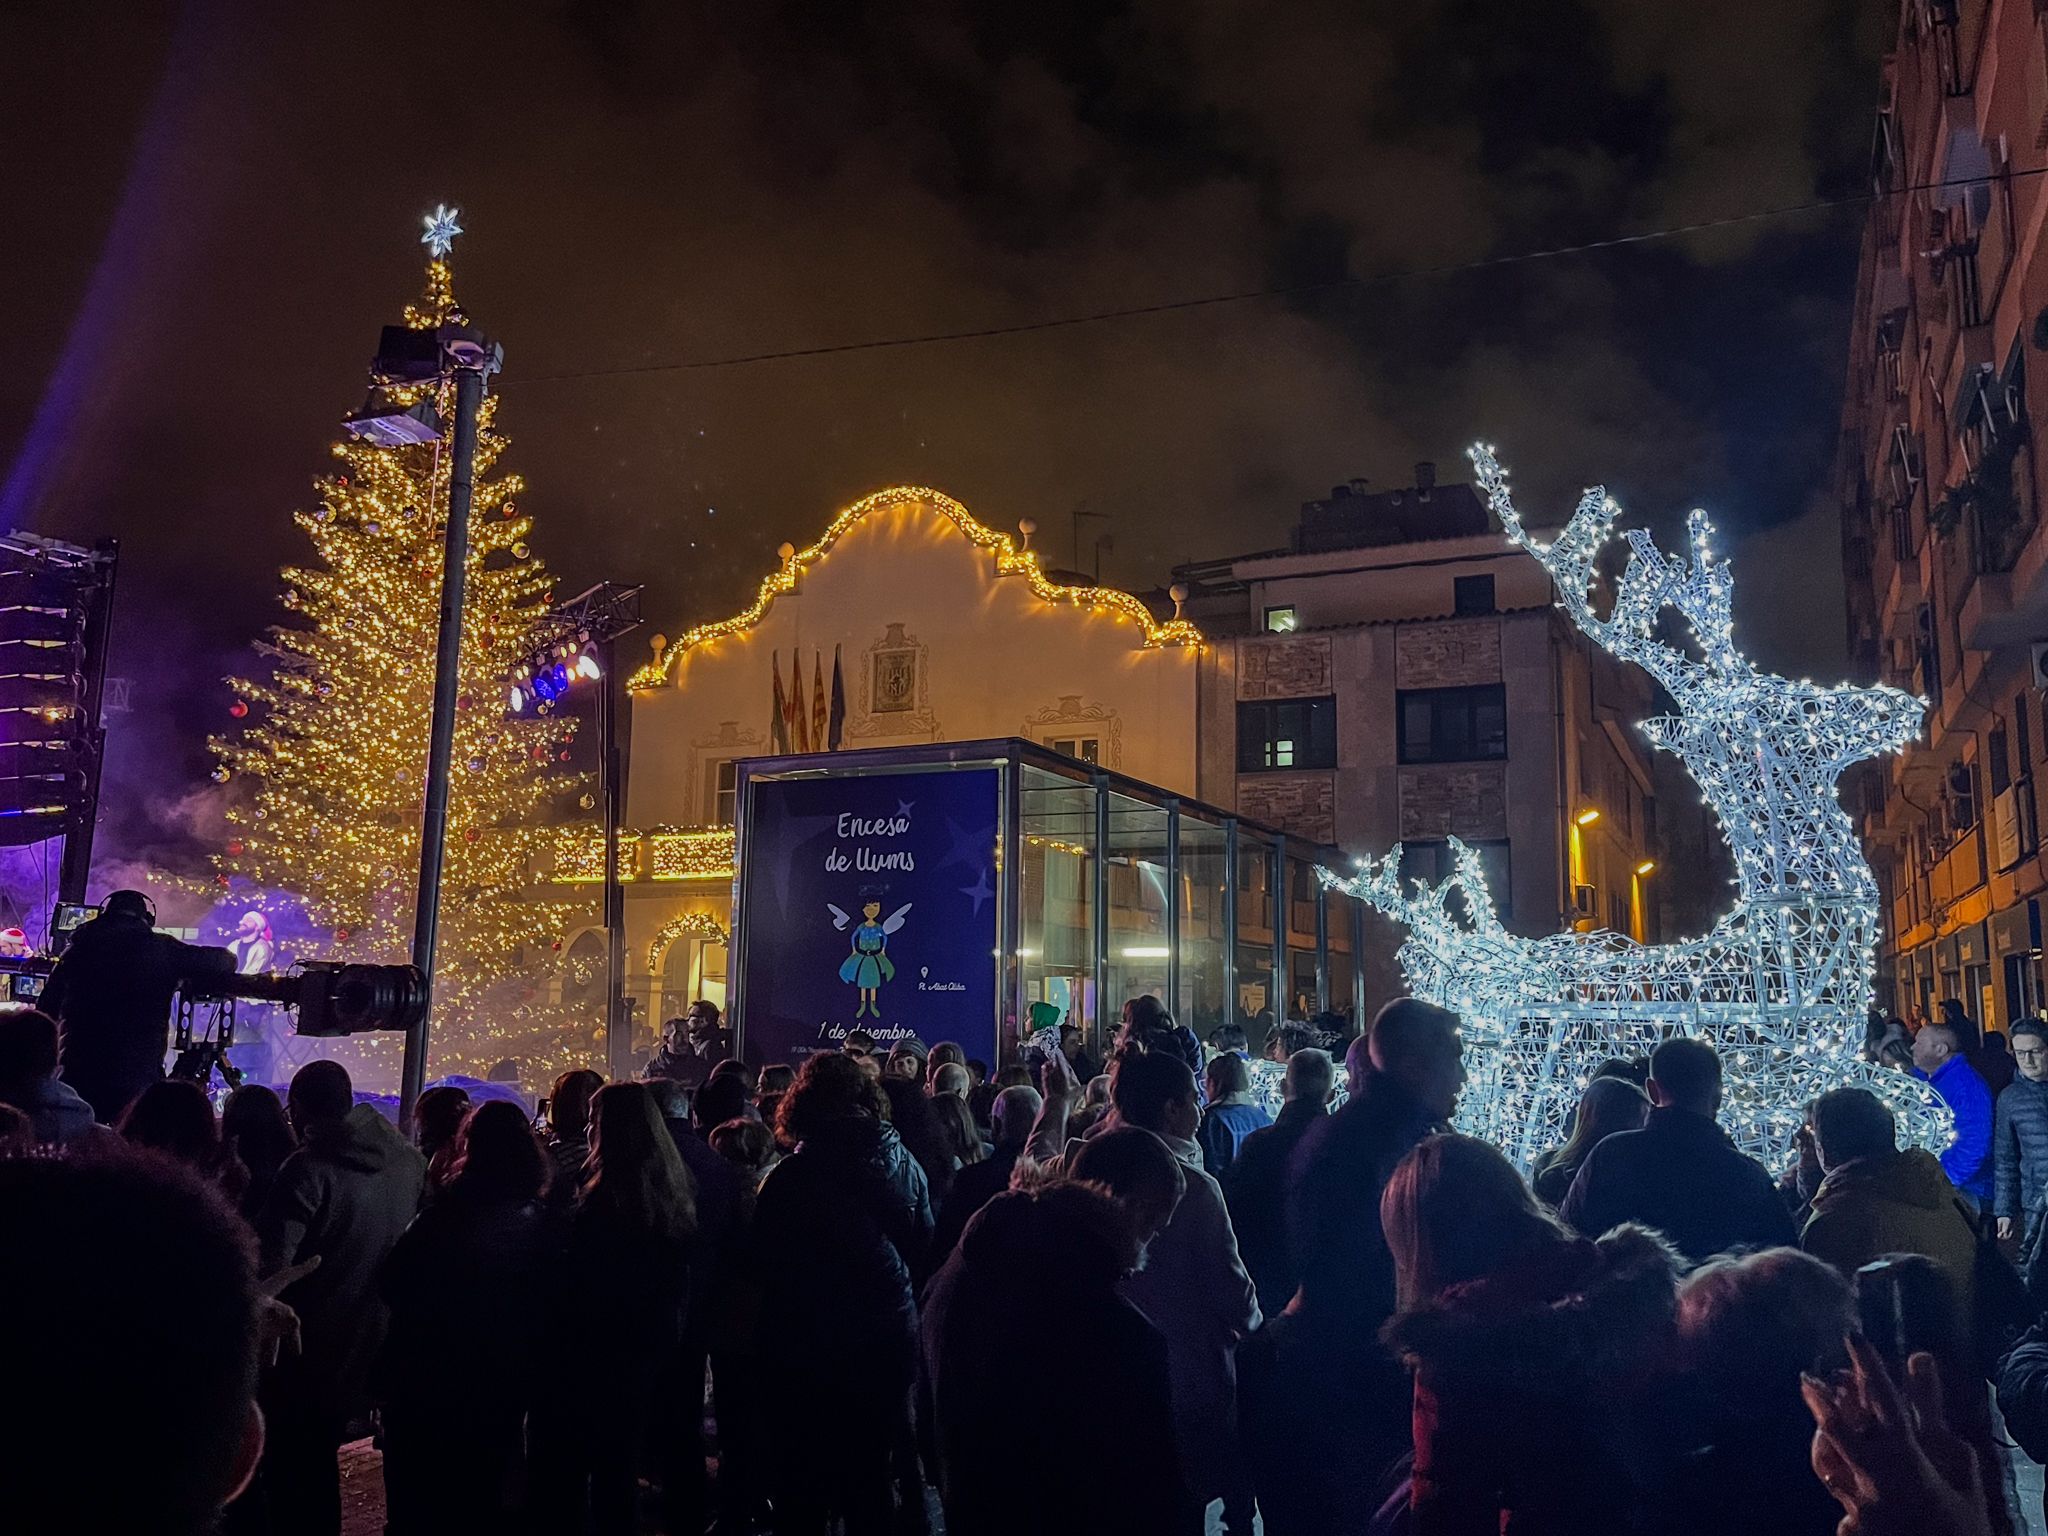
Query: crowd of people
883, 1288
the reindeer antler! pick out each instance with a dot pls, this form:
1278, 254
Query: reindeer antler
1701, 589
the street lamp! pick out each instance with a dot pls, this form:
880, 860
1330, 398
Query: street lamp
407, 355
576, 642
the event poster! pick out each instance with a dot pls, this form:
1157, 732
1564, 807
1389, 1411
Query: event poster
869, 902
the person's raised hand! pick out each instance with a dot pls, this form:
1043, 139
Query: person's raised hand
1891, 1461
1058, 1076
2004, 1228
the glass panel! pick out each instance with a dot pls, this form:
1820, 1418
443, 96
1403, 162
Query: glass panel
1301, 938
1343, 998
1255, 1005
1137, 903
1056, 920
1203, 854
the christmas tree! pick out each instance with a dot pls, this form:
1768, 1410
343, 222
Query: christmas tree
329, 766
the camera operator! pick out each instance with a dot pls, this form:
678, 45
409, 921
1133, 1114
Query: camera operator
111, 991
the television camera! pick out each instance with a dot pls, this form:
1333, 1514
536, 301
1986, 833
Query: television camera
330, 997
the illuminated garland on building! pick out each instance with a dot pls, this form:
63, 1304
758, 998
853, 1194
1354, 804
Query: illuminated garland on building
1010, 561
692, 853
684, 925
327, 770
1781, 984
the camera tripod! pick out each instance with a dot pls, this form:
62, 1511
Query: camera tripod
201, 1055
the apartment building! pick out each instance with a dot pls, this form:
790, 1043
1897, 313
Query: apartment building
1399, 673
1937, 478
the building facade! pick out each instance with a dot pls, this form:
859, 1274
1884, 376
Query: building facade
1936, 475
908, 623
1400, 674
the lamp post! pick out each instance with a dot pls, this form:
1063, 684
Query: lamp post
409, 356
578, 641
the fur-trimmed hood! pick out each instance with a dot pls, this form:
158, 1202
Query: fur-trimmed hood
1595, 1311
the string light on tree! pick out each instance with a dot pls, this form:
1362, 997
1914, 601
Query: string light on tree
1781, 985
331, 747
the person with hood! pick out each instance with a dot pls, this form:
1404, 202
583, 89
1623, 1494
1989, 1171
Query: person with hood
343, 1198
1749, 1329
1006, 1462
1941, 1060
839, 1227
29, 1082
111, 992
470, 1268
1325, 1406
1537, 1355
1255, 1186
2019, 1135
1876, 1199
1232, 1113
1680, 1174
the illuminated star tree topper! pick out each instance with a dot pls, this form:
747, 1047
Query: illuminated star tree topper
441, 230
1780, 985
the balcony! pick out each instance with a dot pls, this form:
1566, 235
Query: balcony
1900, 608
1959, 871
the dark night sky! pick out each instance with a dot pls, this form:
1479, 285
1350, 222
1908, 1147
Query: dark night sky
214, 207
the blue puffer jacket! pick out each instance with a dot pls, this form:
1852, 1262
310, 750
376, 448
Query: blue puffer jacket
1967, 1162
2019, 1143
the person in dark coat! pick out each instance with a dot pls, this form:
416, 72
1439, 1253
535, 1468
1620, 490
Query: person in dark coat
1680, 1173
343, 1198
1324, 1406
2021, 1380
1608, 1105
1748, 1329
1539, 1357
465, 1287
111, 991
2019, 1137
1007, 1466
620, 1293
841, 1224
257, 1133
1255, 1187
978, 1183
567, 1138
717, 1188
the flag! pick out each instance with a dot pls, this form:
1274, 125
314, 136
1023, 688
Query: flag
778, 724
799, 717
835, 731
818, 711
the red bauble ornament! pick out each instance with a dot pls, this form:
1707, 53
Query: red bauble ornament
239, 708
562, 757
471, 835
235, 849
221, 881
341, 935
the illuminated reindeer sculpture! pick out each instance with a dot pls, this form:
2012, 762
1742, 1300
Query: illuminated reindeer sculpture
1781, 984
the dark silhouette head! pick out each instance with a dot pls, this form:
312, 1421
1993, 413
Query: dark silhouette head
569, 1103
320, 1095
1852, 1123
721, 1099
1685, 1073
131, 1287
498, 1156
174, 1117
438, 1116
28, 1048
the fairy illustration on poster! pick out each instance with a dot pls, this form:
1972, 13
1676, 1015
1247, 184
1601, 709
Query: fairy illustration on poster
869, 965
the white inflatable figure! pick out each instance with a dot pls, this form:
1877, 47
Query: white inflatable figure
1780, 985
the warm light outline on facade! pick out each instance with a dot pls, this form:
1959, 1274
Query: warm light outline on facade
1010, 561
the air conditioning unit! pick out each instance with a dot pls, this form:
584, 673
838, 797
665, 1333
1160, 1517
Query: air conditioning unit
1585, 901
2038, 652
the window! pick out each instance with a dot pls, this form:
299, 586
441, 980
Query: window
1472, 594
721, 792
1087, 748
1452, 725
1280, 621
1431, 862
2023, 752
2000, 763
1286, 733
1960, 797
